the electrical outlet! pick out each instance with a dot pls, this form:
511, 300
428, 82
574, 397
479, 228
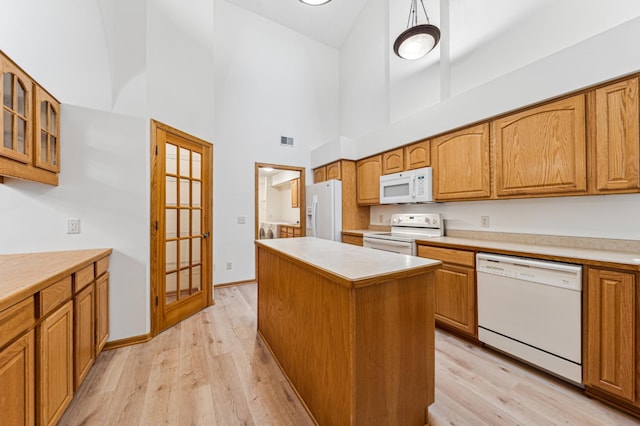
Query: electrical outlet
484, 221
229, 266
242, 220
73, 226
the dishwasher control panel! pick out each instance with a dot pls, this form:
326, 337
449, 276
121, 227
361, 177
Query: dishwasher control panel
556, 274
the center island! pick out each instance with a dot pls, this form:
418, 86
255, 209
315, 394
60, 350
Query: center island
352, 328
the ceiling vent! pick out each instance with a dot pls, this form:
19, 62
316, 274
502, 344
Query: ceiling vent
285, 141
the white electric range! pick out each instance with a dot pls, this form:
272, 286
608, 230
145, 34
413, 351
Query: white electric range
405, 230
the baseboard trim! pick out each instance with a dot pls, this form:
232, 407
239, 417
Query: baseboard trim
233, 284
133, 340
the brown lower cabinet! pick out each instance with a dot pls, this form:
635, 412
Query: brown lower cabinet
455, 289
55, 364
356, 240
612, 367
50, 338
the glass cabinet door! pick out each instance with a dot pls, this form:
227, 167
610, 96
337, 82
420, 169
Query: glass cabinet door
47, 139
16, 118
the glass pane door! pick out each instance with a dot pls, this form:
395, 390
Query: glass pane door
183, 223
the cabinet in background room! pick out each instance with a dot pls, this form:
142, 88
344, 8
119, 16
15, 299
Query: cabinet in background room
368, 172
455, 289
393, 161
611, 333
417, 155
295, 193
616, 160
460, 162
319, 174
334, 171
542, 150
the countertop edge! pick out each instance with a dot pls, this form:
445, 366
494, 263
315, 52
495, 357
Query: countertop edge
591, 257
31, 289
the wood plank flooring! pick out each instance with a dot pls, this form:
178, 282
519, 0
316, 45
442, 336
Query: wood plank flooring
212, 369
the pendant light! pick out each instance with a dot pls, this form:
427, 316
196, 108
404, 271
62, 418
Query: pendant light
315, 2
417, 40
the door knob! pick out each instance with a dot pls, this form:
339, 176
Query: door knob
205, 235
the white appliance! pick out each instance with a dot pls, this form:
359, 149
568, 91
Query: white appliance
531, 309
405, 230
412, 186
324, 210
269, 230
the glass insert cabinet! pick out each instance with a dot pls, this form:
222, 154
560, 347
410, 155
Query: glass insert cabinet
30, 124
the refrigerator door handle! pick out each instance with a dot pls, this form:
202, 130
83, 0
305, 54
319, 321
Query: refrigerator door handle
314, 215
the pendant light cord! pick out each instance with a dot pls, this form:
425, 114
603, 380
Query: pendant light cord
412, 21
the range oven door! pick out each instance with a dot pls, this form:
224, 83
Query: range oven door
400, 247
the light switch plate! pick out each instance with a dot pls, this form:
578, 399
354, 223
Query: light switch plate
73, 226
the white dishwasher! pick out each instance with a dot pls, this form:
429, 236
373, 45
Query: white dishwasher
532, 310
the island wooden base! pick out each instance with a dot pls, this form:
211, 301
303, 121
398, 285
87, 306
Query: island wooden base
356, 355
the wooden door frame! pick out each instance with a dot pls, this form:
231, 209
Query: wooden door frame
303, 202
156, 243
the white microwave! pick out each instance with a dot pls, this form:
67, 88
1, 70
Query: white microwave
412, 186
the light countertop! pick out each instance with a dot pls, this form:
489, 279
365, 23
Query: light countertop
352, 263
568, 254
22, 275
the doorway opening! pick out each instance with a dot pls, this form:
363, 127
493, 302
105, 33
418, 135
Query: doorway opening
279, 201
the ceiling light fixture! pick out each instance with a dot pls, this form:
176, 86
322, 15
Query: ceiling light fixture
417, 40
315, 2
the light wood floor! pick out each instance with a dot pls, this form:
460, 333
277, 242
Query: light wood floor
212, 369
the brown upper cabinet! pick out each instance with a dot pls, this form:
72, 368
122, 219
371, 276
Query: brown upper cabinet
333, 171
417, 155
368, 172
460, 162
30, 123
617, 137
542, 150
320, 174
393, 161
295, 193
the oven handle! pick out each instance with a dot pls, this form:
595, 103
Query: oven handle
387, 242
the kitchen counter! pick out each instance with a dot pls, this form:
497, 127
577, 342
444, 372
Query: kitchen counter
22, 275
348, 264
352, 328
587, 256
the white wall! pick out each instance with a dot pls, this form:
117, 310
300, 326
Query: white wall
270, 82
547, 48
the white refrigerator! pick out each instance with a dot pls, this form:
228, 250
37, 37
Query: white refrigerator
324, 210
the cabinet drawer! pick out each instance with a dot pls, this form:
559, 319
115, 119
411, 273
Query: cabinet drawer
351, 239
102, 265
54, 295
459, 257
83, 277
16, 320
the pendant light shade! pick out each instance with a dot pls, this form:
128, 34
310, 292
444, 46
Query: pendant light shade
315, 2
417, 40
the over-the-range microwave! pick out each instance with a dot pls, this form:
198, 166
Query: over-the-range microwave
412, 186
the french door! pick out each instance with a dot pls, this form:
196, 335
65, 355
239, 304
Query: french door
181, 242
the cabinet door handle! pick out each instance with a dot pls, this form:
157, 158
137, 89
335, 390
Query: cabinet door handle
205, 235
